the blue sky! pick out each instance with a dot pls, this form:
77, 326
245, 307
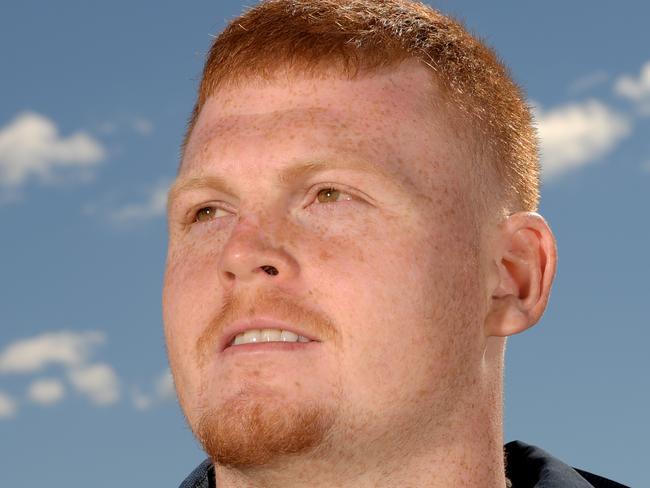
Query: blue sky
93, 105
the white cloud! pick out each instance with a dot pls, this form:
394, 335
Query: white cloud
165, 386
636, 90
46, 391
8, 406
72, 350
163, 391
154, 206
107, 128
588, 82
96, 381
141, 401
64, 348
142, 126
138, 124
577, 134
31, 147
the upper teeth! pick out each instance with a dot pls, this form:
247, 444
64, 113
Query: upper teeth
267, 335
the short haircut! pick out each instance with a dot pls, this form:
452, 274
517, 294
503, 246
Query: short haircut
353, 36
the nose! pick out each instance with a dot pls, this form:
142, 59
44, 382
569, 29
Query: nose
250, 255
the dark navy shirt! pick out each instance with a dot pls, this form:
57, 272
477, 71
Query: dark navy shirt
526, 466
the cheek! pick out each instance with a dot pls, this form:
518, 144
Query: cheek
405, 304
186, 290
189, 301
191, 272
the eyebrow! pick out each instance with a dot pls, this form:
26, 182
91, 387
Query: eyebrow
297, 172
287, 176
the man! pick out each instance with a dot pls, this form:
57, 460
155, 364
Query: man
352, 237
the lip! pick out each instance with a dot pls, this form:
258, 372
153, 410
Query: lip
255, 348
237, 327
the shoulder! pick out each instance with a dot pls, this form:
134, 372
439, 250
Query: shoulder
529, 466
201, 477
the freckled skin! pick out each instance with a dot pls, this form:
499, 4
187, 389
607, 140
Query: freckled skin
404, 383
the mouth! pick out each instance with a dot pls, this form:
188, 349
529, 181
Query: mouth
269, 347
264, 334
254, 336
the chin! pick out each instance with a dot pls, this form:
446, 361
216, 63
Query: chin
249, 431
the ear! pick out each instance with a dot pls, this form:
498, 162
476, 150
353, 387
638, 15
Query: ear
524, 259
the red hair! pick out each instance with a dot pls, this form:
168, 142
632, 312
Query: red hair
350, 36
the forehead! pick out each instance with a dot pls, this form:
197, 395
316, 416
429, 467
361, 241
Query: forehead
283, 124
397, 119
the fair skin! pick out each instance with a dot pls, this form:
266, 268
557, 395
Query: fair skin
409, 299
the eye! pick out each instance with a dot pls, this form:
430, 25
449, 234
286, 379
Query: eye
329, 194
205, 214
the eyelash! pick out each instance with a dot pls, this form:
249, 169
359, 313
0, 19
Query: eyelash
315, 192
335, 188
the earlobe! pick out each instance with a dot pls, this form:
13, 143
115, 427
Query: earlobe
524, 262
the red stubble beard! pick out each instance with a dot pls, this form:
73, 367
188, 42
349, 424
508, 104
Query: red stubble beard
258, 425
254, 430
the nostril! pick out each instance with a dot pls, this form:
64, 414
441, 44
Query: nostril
270, 270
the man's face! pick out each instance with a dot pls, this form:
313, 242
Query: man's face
376, 252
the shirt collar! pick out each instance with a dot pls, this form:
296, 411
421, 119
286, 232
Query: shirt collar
527, 466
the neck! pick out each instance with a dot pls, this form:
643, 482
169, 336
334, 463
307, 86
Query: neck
467, 452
